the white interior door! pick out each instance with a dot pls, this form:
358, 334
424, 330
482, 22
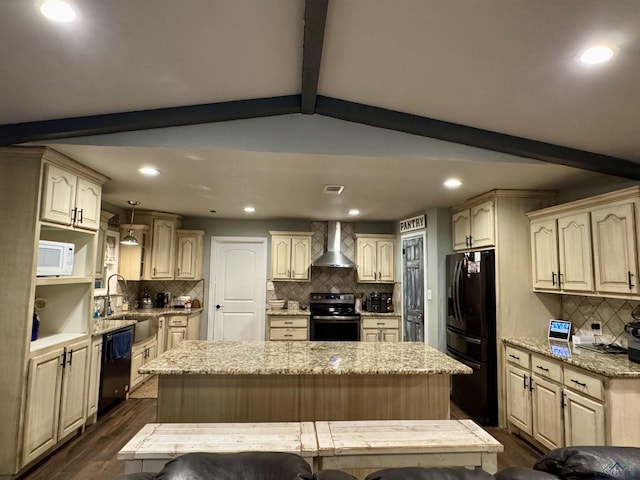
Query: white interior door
238, 288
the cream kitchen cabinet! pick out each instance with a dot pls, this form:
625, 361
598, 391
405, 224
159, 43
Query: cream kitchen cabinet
162, 249
162, 334
615, 242
141, 354
375, 258
380, 328
291, 256
182, 327
584, 411
189, 254
473, 226
93, 390
56, 397
70, 199
561, 253
290, 327
133, 258
596, 249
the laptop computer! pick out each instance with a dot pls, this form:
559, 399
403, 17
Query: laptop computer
558, 336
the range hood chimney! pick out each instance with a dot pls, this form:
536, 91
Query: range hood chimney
332, 257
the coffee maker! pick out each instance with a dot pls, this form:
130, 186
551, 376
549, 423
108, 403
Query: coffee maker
378, 302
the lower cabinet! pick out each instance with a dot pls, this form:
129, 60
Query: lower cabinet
380, 329
56, 405
93, 391
554, 404
292, 327
182, 327
141, 353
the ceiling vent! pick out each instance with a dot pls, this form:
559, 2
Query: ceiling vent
333, 189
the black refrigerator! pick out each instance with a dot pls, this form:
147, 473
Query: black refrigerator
471, 333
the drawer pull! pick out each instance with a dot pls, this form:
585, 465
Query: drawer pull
542, 368
514, 356
288, 335
288, 323
380, 323
579, 383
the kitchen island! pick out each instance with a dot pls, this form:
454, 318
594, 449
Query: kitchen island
204, 381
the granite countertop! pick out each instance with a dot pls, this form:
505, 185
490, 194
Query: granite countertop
201, 357
611, 366
366, 313
154, 312
104, 325
272, 311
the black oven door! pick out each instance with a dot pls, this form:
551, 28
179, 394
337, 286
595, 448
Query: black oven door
335, 328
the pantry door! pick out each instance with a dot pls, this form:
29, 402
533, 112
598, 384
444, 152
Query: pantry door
238, 288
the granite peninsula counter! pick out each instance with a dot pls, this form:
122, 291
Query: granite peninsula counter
203, 381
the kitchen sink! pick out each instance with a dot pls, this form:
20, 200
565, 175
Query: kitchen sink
144, 328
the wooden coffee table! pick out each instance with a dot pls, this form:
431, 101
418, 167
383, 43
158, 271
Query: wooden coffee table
363, 447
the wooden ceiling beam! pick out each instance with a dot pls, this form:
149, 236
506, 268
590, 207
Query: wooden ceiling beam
315, 18
147, 119
476, 137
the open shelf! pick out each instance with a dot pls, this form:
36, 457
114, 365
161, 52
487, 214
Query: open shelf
69, 280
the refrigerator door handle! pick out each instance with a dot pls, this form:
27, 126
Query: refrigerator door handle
458, 277
468, 363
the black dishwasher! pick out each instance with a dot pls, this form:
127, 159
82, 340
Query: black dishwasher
116, 366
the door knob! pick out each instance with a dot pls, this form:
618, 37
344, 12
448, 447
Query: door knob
218, 307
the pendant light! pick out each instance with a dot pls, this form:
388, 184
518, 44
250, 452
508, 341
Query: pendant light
129, 239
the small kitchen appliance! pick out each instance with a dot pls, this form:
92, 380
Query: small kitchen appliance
378, 302
55, 258
633, 342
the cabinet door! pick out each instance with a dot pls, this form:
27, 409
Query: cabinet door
175, 335
583, 420
59, 195
73, 394
615, 249
575, 252
137, 360
43, 404
544, 254
100, 243
131, 258
482, 225
385, 253
93, 392
193, 327
547, 412
163, 249
518, 398
389, 335
161, 335
88, 197
461, 229
280, 258
300, 258
189, 257
370, 335
367, 260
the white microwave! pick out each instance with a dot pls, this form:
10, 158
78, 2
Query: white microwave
55, 258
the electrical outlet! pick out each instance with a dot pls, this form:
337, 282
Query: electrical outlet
596, 326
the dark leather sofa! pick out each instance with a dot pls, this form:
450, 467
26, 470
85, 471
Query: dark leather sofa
571, 463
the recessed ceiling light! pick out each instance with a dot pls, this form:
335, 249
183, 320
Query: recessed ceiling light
150, 171
249, 209
597, 54
354, 212
58, 11
452, 183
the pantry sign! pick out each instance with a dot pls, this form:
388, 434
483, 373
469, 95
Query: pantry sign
413, 223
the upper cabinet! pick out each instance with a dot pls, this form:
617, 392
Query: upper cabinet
70, 199
375, 258
291, 256
154, 258
189, 254
588, 246
473, 225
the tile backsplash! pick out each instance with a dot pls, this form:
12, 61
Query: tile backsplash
612, 313
193, 288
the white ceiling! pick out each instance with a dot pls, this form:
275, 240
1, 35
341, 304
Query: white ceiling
506, 66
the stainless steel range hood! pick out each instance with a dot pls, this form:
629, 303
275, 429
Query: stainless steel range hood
333, 257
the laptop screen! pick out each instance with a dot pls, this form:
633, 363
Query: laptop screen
559, 330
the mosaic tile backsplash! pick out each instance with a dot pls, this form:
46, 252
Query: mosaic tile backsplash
612, 313
194, 288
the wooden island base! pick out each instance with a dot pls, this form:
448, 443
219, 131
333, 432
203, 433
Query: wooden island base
301, 398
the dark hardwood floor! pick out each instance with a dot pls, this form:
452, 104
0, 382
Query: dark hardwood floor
92, 455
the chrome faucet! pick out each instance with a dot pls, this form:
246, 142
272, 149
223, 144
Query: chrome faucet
109, 310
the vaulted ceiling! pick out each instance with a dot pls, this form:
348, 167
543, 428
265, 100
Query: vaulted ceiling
236, 100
